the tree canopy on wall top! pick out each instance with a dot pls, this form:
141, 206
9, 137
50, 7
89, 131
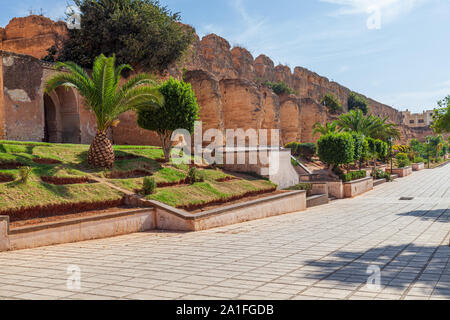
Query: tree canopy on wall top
140, 32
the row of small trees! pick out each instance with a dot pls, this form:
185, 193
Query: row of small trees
337, 149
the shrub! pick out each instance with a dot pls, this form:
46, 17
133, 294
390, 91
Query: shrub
302, 186
419, 160
194, 175
353, 175
24, 174
279, 87
293, 146
402, 160
355, 102
332, 103
380, 174
307, 150
149, 185
336, 149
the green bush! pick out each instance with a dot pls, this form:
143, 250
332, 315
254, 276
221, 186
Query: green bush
332, 103
355, 102
402, 160
336, 149
353, 175
419, 160
302, 186
293, 146
380, 174
195, 176
149, 185
279, 87
307, 150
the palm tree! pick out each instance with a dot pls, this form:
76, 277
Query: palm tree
323, 130
370, 125
106, 99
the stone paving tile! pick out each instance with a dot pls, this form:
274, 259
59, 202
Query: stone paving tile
323, 253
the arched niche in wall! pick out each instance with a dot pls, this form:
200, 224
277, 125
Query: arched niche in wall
69, 115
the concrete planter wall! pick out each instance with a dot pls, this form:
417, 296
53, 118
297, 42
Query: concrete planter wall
79, 229
403, 172
168, 218
336, 189
418, 166
156, 216
357, 187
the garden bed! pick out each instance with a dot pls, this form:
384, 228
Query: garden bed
46, 161
128, 174
4, 177
226, 200
63, 217
59, 181
51, 210
10, 165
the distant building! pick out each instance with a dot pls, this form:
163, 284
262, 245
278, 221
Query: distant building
418, 120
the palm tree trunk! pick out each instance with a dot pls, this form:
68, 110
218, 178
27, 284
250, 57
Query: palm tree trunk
101, 153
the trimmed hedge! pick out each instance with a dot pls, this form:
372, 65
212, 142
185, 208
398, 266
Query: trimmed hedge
336, 148
353, 175
304, 150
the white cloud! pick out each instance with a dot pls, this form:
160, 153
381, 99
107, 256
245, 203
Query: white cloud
389, 9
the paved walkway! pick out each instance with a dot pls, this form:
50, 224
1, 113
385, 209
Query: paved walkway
324, 252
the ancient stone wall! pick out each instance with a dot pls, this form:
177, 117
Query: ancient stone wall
31, 35
228, 83
2, 101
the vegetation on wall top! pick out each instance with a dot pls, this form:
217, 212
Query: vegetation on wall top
332, 103
355, 101
140, 32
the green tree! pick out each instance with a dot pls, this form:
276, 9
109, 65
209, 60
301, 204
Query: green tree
332, 103
318, 128
416, 147
361, 146
435, 144
441, 116
378, 150
179, 111
355, 101
336, 149
105, 98
140, 32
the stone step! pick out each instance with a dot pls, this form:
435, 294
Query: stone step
378, 182
316, 200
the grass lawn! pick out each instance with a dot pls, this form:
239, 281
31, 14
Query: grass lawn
132, 164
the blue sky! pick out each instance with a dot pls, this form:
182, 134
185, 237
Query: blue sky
395, 51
